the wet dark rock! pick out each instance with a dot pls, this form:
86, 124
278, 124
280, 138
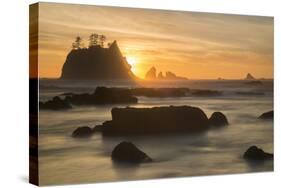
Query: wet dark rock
167, 119
267, 115
82, 132
98, 128
129, 153
218, 119
205, 93
160, 92
55, 104
103, 95
255, 153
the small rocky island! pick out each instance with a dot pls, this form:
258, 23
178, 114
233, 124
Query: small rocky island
249, 77
96, 62
152, 75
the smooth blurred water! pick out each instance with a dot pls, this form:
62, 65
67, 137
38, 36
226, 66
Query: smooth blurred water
65, 160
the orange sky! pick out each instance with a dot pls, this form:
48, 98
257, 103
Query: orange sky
194, 45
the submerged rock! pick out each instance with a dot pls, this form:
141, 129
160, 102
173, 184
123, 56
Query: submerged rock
128, 152
166, 119
55, 104
255, 153
267, 115
81, 132
218, 119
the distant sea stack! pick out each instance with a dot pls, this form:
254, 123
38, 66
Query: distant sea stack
249, 77
152, 72
96, 63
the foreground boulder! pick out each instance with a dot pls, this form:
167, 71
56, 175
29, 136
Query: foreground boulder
267, 115
218, 119
166, 119
55, 104
129, 153
255, 153
82, 132
103, 95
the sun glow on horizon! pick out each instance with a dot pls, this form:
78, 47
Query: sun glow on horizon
133, 62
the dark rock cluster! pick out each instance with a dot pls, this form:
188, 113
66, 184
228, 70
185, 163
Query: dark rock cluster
267, 115
255, 153
55, 104
129, 153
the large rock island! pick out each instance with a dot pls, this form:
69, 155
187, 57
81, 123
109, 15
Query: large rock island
96, 63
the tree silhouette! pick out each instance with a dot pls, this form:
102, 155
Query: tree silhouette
95, 39
77, 43
102, 40
91, 40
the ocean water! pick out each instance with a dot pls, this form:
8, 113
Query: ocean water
66, 160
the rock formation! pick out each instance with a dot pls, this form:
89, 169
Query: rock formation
82, 132
249, 77
267, 115
167, 119
151, 75
55, 104
96, 63
255, 153
103, 95
129, 153
160, 76
218, 119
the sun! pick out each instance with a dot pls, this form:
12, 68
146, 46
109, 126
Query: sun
133, 62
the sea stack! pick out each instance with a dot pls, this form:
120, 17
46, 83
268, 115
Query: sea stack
152, 72
96, 63
249, 77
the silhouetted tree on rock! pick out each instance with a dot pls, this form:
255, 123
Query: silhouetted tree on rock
77, 43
